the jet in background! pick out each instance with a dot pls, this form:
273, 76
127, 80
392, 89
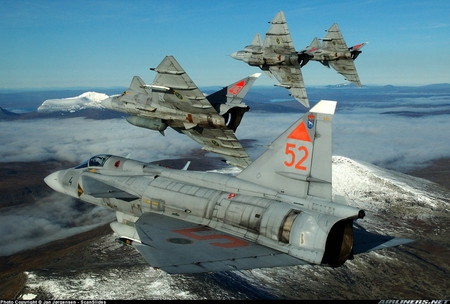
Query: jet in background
278, 211
173, 100
277, 56
334, 51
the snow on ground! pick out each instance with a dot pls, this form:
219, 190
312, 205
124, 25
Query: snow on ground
372, 188
72, 104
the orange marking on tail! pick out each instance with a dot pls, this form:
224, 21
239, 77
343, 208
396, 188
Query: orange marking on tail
300, 133
237, 87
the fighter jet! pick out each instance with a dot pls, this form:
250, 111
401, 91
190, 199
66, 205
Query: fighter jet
334, 51
278, 56
173, 100
278, 211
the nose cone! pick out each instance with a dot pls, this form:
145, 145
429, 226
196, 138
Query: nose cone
107, 103
235, 55
239, 55
54, 181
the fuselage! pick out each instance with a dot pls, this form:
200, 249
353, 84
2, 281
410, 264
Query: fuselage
324, 55
157, 115
311, 229
255, 56
265, 59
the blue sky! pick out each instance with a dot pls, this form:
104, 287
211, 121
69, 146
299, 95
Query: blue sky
56, 44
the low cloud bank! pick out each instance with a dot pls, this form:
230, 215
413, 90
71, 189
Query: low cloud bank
395, 142
52, 218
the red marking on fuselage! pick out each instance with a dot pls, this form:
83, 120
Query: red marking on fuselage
231, 195
117, 164
191, 233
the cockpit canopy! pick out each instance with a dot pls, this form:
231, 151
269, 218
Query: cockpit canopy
95, 161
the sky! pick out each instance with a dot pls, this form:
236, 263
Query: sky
60, 44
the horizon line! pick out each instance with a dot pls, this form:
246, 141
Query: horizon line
24, 89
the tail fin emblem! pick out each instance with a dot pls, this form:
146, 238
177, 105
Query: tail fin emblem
311, 118
237, 88
300, 133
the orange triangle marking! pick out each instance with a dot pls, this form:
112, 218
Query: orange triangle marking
300, 133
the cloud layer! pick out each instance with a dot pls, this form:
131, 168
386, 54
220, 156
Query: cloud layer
77, 139
51, 218
360, 132
395, 142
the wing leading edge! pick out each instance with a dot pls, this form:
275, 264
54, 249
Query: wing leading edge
222, 142
291, 78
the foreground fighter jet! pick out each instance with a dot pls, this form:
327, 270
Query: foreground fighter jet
276, 212
173, 100
334, 51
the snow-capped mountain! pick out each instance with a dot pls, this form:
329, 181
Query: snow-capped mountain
73, 104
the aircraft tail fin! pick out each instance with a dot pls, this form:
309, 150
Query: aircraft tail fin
137, 85
232, 94
257, 41
298, 162
356, 49
237, 91
228, 100
313, 47
334, 41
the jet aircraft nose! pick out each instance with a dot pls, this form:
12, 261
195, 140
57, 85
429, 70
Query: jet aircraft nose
107, 103
54, 181
235, 56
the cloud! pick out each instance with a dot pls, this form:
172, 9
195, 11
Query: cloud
395, 142
54, 217
77, 139
360, 132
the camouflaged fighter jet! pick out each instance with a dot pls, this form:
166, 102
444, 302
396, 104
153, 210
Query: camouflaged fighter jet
277, 56
173, 100
278, 211
334, 51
